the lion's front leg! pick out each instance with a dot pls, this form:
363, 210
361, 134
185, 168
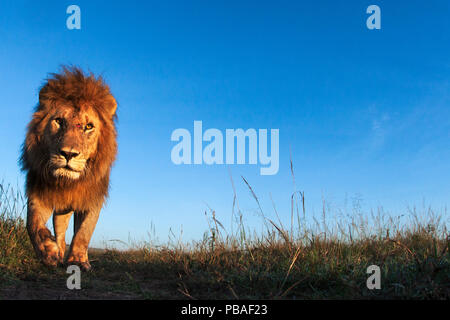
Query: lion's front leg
60, 223
41, 238
84, 225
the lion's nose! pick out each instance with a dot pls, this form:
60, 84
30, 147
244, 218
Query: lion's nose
68, 154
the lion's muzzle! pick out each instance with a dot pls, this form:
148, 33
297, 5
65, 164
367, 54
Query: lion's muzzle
67, 163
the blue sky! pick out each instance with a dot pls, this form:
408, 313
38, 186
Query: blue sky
364, 113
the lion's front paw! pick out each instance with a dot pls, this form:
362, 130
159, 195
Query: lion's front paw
49, 250
80, 260
50, 255
84, 265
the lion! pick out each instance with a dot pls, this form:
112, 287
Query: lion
68, 152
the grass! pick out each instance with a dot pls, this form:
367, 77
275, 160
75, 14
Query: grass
322, 260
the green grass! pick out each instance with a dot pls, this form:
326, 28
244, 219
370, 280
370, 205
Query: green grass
320, 261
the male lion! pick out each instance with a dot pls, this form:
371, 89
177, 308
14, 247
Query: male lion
67, 155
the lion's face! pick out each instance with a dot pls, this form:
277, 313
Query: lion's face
71, 136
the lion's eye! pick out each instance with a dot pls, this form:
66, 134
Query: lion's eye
59, 121
89, 126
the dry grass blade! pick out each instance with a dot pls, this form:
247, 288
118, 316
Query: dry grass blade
257, 201
294, 259
283, 233
185, 291
292, 287
233, 292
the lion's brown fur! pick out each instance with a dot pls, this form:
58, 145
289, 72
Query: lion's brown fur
73, 86
67, 155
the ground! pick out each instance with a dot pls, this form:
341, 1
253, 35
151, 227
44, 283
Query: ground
261, 273
297, 262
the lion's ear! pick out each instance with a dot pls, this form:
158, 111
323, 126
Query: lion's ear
43, 96
112, 105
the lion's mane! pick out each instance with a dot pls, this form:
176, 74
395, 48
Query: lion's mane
91, 189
